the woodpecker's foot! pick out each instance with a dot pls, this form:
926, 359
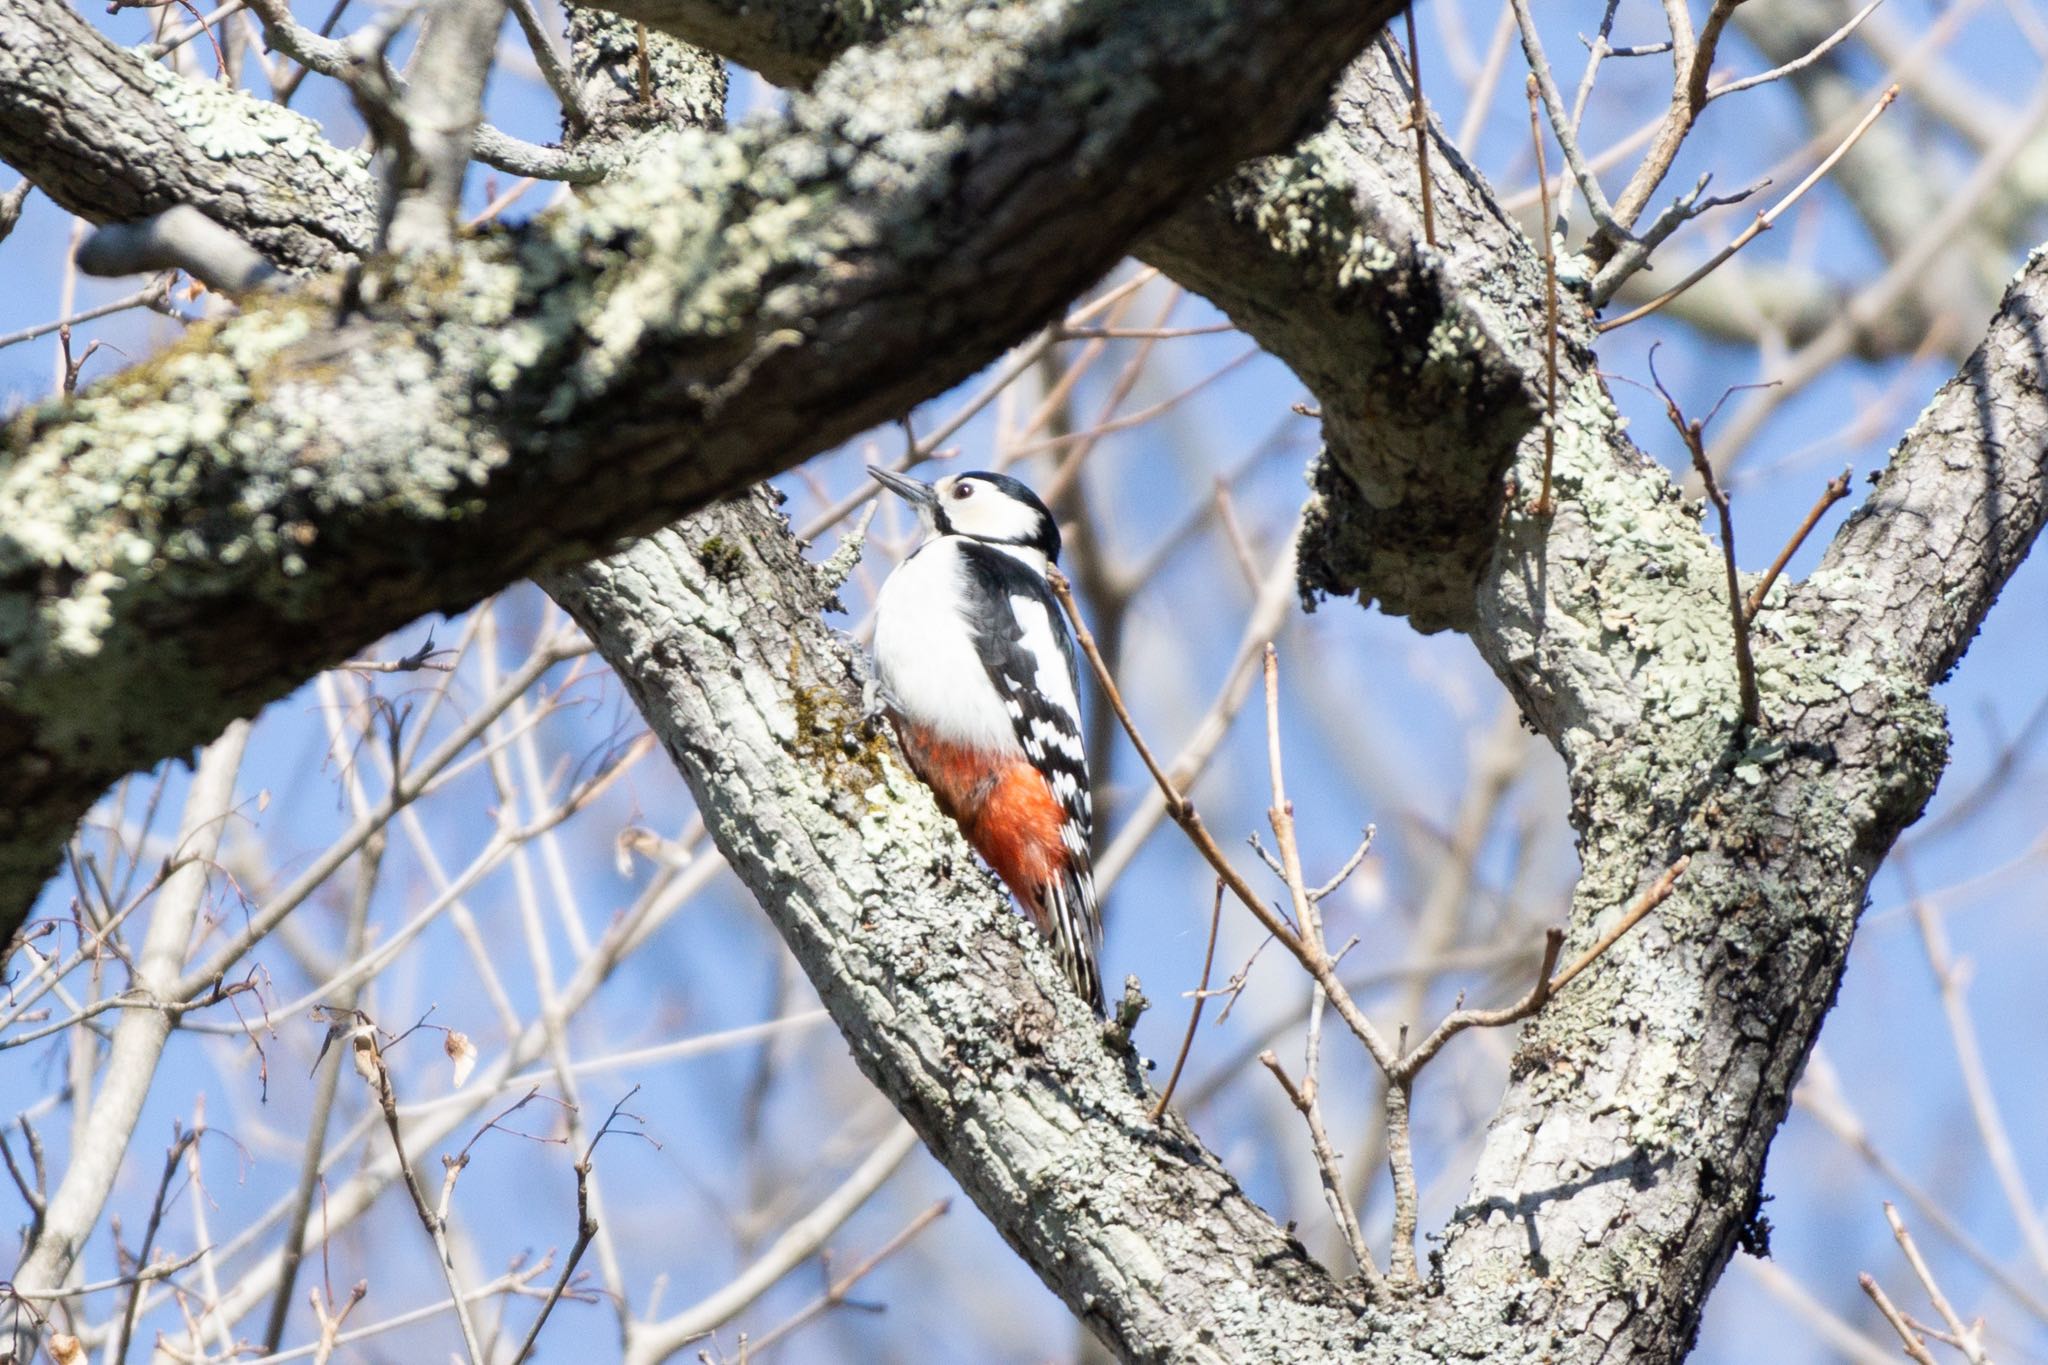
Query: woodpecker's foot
872, 710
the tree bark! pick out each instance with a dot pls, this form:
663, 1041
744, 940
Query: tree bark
289, 485
1623, 1166
950, 1003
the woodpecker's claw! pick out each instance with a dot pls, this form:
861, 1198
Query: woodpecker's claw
871, 708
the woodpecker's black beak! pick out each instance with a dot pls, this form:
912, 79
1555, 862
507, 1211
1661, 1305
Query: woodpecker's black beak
910, 490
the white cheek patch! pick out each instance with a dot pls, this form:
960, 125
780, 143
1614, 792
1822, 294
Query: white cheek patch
990, 515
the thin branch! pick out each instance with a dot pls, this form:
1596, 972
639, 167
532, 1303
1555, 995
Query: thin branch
118, 1350
1659, 891
1187, 1041
586, 1229
1965, 1339
1837, 489
1634, 256
649, 1342
1350, 865
1909, 1340
1764, 220
156, 294
331, 57
1693, 434
549, 59
150, 1274
511, 1283
1457, 1021
1543, 506
1418, 117
836, 1292
1692, 57
1819, 50
1984, 1111
1597, 204
1183, 813
1329, 1168
1547, 985
436, 1224
139, 1039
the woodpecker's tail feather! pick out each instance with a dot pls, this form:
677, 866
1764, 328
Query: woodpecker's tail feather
1068, 918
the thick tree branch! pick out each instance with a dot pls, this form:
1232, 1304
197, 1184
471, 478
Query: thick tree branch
737, 304
1960, 504
787, 41
1627, 1155
951, 1006
1319, 254
114, 139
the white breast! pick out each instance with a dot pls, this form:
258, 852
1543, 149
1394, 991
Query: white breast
925, 656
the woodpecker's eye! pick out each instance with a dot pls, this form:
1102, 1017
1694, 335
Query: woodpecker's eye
962, 491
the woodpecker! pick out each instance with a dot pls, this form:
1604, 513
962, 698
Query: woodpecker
976, 671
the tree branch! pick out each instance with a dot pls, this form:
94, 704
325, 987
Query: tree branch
951, 1006
262, 172
1919, 564
740, 302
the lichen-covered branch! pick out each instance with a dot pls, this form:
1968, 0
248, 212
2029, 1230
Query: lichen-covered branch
282, 488
114, 138
1960, 504
1426, 370
951, 1006
787, 41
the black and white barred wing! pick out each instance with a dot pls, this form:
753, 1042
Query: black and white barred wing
1029, 654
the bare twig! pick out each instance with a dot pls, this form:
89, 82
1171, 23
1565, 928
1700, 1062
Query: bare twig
1909, 1340
1837, 489
1547, 985
548, 58
315, 51
1634, 256
138, 1043
1763, 221
1183, 814
1329, 1168
118, 1349
1658, 892
586, 1229
1965, 1337
1813, 54
1418, 117
1457, 1021
1984, 1110
1561, 127
651, 1342
1543, 506
1692, 58
1693, 434
1350, 865
836, 1292
330, 1321
156, 294
1187, 1041
435, 1222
